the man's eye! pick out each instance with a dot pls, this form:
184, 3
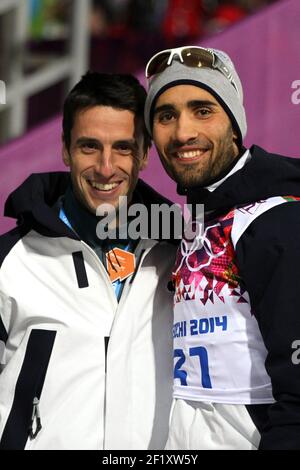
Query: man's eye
203, 111
124, 149
165, 117
88, 147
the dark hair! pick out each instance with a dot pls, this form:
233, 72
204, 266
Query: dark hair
120, 91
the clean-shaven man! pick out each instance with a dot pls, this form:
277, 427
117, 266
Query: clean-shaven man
85, 323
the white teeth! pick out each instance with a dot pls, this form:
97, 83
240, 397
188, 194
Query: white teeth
104, 187
191, 154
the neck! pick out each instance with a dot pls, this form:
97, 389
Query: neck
85, 223
228, 169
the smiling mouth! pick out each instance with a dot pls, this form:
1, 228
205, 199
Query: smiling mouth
190, 154
104, 187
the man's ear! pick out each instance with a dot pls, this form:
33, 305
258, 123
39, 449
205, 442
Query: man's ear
65, 152
235, 134
144, 161
236, 141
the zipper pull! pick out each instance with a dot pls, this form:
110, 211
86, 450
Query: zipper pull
35, 419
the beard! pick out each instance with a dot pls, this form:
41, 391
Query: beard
205, 171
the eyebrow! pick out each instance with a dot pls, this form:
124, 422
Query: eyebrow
87, 140
163, 107
195, 103
92, 140
190, 104
130, 142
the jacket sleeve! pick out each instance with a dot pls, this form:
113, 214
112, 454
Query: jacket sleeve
3, 332
268, 256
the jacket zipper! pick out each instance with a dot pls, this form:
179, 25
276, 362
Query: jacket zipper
142, 253
35, 423
103, 272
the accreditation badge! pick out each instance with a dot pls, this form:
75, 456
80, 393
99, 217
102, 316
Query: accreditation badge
120, 264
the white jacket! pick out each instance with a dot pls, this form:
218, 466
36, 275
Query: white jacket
58, 369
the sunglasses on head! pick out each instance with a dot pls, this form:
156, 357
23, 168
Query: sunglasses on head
191, 56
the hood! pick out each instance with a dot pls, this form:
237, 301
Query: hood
264, 176
34, 200
40, 189
32, 203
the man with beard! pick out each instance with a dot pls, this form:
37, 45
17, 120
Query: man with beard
85, 322
236, 327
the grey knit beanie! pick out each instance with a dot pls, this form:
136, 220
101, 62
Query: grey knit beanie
229, 96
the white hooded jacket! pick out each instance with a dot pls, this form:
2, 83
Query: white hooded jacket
78, 369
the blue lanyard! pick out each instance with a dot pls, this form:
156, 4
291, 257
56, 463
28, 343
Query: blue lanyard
64, 218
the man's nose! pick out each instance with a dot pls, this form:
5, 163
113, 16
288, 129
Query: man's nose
185, 129
105, 163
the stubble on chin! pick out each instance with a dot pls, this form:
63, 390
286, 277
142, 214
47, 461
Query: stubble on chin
205, 172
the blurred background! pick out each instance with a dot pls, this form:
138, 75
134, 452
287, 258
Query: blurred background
46, 45
63, 38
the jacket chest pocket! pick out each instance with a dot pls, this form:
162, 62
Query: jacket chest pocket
24, 419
